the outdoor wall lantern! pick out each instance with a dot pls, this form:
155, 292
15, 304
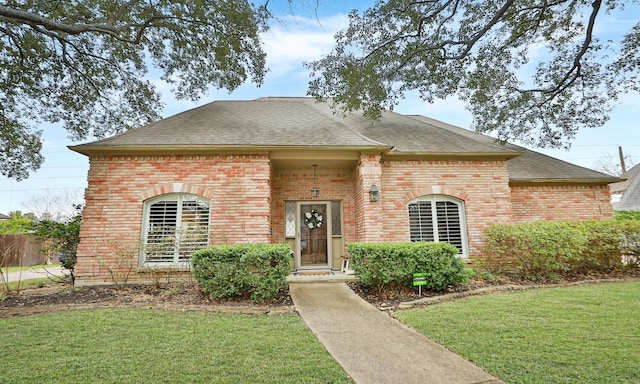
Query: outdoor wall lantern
315, 192
374, 194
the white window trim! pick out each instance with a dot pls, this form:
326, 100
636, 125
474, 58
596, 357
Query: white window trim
461, 214
179, 198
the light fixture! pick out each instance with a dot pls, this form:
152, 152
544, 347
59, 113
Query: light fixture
374, 194
315, 192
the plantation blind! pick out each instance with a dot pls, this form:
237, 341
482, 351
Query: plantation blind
435, 218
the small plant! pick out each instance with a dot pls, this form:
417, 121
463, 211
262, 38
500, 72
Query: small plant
64, 238
121, 264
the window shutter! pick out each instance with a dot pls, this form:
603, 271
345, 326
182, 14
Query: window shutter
421, 221
449, 229
194, 228
177, 225
161, 233
437, 219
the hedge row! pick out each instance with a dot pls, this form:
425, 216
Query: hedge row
547, 249
389, 265
237, 270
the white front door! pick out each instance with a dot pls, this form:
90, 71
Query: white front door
313, 240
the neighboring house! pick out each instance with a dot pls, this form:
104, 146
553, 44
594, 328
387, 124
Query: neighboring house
290, 170
625, 195
4, 217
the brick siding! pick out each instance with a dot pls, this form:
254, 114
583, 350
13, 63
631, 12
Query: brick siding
248, 196
237, 185
561, 202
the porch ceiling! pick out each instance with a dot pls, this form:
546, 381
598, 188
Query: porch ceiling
306, 159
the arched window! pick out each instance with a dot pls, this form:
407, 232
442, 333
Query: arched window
175, 225
439, 218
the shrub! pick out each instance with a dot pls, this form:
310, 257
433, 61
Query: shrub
537, 250
601, 252
630, 242
387, 265
545, 249
226, 271
627, 215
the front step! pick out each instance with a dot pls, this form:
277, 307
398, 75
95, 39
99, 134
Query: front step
320, 276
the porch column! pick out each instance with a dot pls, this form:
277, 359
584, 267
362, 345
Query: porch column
369, 214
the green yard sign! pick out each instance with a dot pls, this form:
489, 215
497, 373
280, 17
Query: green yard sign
419, 279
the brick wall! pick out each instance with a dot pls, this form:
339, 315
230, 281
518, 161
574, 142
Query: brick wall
568, 202
368, 214
482, 185
237, 185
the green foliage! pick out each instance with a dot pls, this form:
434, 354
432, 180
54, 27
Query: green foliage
83, 63
480, 52
234, 270
543, 250
629, 231
627, 215
537, 250
18, 224
388, 265
65, 237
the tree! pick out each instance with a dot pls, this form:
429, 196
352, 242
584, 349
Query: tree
18, 224
64, 238
53, 206
611, 165
534, 71
83, 62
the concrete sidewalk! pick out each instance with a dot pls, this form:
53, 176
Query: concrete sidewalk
36, 273
374, 348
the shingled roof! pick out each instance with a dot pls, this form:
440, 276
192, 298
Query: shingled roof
270, 123
630, 189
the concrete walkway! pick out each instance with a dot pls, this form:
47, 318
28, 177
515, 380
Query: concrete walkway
373, 347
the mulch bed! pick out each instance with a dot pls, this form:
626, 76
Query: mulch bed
190, 297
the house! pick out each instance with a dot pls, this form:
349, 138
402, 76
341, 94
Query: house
625, 195
291, 170
4, 217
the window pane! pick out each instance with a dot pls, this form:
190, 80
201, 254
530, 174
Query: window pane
161, 231
176, 227
336, 218
449, 229
421, 221
290, 219
194, 228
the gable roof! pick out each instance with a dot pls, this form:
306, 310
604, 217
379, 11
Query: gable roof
303, 123
630, 199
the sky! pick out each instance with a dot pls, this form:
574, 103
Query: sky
301, 37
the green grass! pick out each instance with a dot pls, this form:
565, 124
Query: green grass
138, 346
580, 334
14, 285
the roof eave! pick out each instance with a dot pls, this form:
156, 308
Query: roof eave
562, 181
451, 155
91, 150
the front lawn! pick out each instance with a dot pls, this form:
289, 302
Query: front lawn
145, 346
580, 334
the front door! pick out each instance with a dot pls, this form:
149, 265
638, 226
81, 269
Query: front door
312, 242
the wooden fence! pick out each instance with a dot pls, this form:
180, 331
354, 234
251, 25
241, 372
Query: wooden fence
21, 250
